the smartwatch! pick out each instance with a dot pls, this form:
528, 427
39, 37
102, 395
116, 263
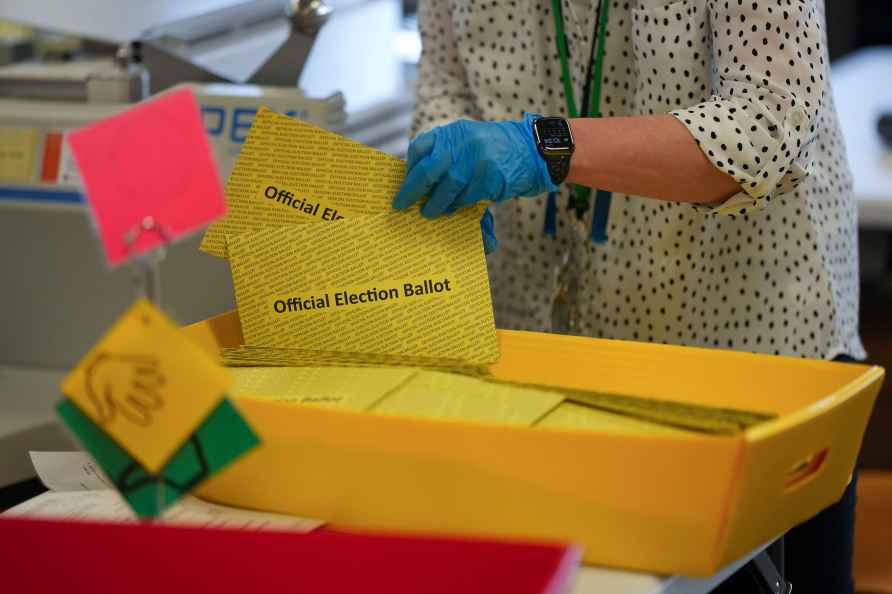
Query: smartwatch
555, 143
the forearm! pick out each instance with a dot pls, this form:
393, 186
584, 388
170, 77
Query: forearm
652, 156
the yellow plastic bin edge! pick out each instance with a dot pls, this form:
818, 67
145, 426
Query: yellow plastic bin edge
818, 441
214, 333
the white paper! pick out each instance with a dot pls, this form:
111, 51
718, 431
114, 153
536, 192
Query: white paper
75, 505
78, 490
194, 511
69, 174
108, 505
69, 471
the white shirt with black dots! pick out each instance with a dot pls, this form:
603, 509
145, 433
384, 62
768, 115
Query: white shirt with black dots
774, 269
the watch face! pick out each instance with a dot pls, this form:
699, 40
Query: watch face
553, 135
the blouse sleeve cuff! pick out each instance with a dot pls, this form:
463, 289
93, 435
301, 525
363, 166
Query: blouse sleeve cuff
767, 158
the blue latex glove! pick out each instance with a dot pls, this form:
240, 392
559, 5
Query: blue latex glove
464, 162
487, 229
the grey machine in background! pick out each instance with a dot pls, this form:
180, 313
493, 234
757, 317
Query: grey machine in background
58, 295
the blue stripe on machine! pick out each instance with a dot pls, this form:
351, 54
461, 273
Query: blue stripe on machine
66, 196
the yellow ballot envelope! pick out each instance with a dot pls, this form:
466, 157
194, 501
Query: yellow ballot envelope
449, 396
290, 172
392, 284
353, 388
245, 356
146, 385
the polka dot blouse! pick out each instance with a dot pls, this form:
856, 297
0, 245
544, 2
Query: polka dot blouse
773, 269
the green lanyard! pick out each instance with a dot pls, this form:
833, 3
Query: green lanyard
581, 195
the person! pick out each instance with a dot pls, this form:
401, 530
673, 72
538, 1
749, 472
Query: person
689, 186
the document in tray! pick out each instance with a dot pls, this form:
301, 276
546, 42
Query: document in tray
441, 395
290, 172
403, 391
569, 415
245, 356
681, 415
448, 396
391, 284
349, 387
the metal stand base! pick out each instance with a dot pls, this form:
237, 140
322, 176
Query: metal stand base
769, 565
764, 574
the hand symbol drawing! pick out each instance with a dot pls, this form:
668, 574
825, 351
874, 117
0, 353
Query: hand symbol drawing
125, 384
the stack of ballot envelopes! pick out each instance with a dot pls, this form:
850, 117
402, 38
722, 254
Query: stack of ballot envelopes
327, 273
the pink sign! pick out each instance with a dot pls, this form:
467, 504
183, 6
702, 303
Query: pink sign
152, 160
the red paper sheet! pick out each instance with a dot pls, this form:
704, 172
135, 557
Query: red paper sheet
153, 160
42, 556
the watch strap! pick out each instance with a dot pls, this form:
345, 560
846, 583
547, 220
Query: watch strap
558, 168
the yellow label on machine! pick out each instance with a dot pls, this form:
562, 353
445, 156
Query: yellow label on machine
18, 148
392, 284
147, 385
290, 172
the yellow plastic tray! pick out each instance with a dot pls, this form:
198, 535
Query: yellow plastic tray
668, 504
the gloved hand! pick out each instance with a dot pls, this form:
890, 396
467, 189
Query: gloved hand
466, 161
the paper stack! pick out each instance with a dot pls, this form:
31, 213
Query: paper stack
326, 273
443, 395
